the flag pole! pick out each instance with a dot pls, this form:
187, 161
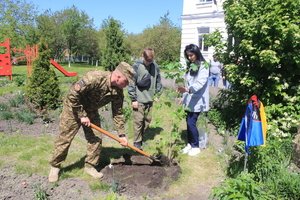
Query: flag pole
246, 147
245, 162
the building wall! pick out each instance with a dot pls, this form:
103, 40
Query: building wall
199, 15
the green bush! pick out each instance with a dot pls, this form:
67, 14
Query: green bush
284, 117
169, 145
17, 100
242, 187
268, 165
3, 107
215, 116
4, 82
6, 115
43, 89
285, 185
19, 80
25, 116
265, 162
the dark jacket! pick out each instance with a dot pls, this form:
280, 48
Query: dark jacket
147, 82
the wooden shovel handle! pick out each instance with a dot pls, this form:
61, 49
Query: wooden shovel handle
118, 139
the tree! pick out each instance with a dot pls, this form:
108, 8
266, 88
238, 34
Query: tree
263, 58
43, 89
68, 29
215, 39
88, 44
73, 22
136, 44
18, 24
164, 38
115, 50
49, 27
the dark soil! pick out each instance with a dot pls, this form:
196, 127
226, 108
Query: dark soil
20, 186
140, 180
131, 181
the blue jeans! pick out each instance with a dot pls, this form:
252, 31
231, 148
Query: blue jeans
214, 79
226, 84
192, 130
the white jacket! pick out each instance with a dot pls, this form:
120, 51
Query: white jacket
197, 99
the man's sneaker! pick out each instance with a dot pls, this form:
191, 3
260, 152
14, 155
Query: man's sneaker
186, 149
194, 151
53, 175
93, 172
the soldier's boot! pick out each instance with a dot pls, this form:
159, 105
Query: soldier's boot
53, 175
93, 172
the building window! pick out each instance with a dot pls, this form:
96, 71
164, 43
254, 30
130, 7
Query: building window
202, 31
205, 1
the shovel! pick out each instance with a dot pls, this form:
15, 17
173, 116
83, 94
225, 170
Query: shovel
155, 160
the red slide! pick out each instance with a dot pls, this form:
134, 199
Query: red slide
61, 69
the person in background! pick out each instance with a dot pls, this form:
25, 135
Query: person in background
214, 72
226, 83
195, 96
85, 97
147, 83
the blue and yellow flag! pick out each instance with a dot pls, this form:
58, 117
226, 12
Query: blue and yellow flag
253, 128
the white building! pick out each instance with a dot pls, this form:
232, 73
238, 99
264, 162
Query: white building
200, 17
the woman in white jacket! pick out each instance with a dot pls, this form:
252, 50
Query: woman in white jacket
195, 96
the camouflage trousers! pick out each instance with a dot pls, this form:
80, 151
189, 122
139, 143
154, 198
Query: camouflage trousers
68, 128
142, 118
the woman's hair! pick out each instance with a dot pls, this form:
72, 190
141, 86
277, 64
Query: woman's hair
192, 48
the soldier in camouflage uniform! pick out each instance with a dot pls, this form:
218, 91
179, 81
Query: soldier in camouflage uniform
85, 97
147, 82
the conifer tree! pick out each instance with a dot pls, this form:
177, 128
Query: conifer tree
43, 90
115, 49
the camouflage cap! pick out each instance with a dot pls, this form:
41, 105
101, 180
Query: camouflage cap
126, 70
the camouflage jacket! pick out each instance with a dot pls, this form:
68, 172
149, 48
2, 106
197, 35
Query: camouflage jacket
93, 91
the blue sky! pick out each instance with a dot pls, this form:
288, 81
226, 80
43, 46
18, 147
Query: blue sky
135, 15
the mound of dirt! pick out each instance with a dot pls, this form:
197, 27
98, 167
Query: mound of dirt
140, 180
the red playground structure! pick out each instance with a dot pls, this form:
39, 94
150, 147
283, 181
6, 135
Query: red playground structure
61, 69
5, 64
30, 54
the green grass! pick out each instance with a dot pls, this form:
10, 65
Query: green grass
40, 193
31, 154
24, 151
20, 72
99, 186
